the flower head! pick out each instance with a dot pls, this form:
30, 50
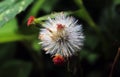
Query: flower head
30, 20
58, 59
61, 35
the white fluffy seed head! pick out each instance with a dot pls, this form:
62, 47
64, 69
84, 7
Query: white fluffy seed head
61, 35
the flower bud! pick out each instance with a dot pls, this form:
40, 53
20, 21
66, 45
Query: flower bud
30, 20
58, 59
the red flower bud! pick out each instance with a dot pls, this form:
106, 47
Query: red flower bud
58, 59
30, 20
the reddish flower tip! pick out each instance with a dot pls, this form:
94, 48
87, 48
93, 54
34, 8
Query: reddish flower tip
30, 20
58, 59
60, 26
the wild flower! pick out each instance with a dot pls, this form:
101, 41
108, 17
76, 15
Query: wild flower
61, 35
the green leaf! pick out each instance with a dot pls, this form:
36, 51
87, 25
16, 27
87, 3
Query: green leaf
15, 69
15, 37
5, 4
10, 27
13, 10
11, 37
9, 32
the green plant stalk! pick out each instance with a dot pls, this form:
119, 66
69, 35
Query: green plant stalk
86, 16
14, 37
83, 13
41, 19
51, 16
36, 7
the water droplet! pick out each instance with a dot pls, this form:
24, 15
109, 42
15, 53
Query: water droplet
7, 12
20, 9
23, 2
12, 0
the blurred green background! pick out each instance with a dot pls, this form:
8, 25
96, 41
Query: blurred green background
22, 56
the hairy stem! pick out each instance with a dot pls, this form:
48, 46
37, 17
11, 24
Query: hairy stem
114, 63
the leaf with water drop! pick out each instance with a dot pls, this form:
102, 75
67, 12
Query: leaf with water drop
7, 12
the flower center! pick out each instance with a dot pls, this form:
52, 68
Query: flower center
60, 27
60, 35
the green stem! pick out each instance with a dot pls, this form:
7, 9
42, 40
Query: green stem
52, 15
35, 8
83, 13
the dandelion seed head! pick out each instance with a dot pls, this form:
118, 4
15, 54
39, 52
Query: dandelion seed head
61, 35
